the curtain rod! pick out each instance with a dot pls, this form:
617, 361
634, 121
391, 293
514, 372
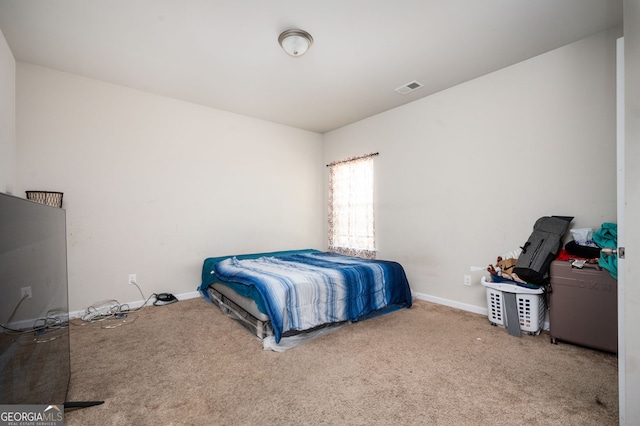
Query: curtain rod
353, 159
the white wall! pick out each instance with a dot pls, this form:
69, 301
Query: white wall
7, 117
462, 175
153, 185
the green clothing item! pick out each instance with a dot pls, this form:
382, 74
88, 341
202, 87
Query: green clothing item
607, 236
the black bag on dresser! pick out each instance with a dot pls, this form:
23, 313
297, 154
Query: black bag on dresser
541, 249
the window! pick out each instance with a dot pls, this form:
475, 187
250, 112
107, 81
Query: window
351, 224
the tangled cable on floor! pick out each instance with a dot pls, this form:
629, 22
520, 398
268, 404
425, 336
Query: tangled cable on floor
110, 313
43, 329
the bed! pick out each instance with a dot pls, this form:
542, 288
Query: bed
282, 294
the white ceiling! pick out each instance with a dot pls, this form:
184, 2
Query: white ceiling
225, 54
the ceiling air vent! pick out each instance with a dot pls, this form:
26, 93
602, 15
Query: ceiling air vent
409, 87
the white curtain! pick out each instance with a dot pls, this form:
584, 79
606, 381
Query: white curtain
351, 221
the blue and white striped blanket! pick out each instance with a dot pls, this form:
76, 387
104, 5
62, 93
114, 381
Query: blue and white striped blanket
302, 291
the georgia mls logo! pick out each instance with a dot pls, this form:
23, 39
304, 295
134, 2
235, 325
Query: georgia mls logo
31, 415
55, 411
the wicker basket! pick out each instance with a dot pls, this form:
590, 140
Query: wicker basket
53, 199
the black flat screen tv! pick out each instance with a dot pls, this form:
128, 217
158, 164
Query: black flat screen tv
34, 307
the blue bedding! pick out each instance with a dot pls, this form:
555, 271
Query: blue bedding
209, 278
300, 290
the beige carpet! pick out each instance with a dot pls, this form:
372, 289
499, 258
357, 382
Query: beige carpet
188, 364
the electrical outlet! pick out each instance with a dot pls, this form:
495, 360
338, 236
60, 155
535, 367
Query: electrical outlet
132, 279
467, 280
27, 291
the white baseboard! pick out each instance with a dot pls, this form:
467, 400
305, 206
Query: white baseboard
421, 296
451, 303
139, 303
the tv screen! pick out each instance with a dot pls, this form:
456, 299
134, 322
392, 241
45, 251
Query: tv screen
34, 307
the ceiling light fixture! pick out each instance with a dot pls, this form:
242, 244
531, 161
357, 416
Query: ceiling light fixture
295, 42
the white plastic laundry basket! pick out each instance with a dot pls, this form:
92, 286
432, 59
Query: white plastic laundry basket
530, 302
